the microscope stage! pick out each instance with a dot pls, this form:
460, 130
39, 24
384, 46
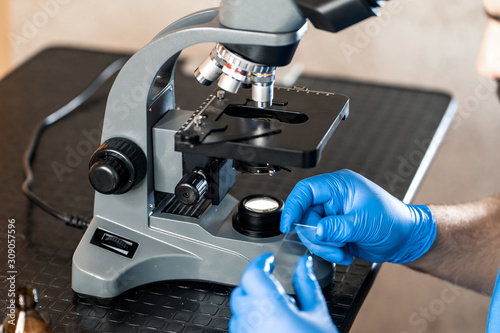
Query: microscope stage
292, 132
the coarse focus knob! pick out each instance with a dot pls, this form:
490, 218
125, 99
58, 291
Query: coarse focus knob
192, 187
117, 166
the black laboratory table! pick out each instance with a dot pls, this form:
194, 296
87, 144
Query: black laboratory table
390, 137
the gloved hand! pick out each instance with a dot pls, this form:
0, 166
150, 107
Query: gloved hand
494, 315
260, 304
357, 218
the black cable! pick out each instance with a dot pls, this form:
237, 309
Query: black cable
74, 221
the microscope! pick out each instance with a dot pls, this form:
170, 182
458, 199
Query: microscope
162, 174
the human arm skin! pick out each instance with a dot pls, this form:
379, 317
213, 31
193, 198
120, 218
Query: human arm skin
466, 250
488, 62
492, 7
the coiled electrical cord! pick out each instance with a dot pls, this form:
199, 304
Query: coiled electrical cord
29, 153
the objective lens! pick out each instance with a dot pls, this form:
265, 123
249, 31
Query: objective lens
263, 89
210, 69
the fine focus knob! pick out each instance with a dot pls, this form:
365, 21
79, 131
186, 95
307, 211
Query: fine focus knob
117, 166
192, 187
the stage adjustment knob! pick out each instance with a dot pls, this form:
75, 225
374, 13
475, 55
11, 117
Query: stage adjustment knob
117, 166
192, 187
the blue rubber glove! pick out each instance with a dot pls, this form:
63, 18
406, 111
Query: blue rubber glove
494, 315
355, 217
260, 304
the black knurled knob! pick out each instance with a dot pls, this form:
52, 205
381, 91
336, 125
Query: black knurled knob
192, 187
117, 166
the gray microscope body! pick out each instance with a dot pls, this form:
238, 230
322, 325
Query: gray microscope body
162, 174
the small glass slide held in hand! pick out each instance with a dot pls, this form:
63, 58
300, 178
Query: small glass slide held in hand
309, 232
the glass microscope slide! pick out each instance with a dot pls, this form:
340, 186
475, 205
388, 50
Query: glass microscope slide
309, 233
287, 255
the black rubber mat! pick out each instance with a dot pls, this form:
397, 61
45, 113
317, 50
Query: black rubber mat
384, 138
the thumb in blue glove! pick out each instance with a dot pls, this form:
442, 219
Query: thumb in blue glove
494, 315
260, 303
355, 217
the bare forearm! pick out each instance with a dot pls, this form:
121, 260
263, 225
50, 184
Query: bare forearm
467, 246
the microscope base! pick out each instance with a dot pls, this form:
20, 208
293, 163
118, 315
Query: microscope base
112, 259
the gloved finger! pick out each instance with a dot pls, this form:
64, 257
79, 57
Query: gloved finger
244, 305
307, 289
257, 280
310, 233
294, 209
238, 301
234, 324
494, 313
338, 229
308, 192
312, 216
335, 255
329, 253
238, 325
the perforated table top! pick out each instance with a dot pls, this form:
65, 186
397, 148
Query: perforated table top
385, 138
